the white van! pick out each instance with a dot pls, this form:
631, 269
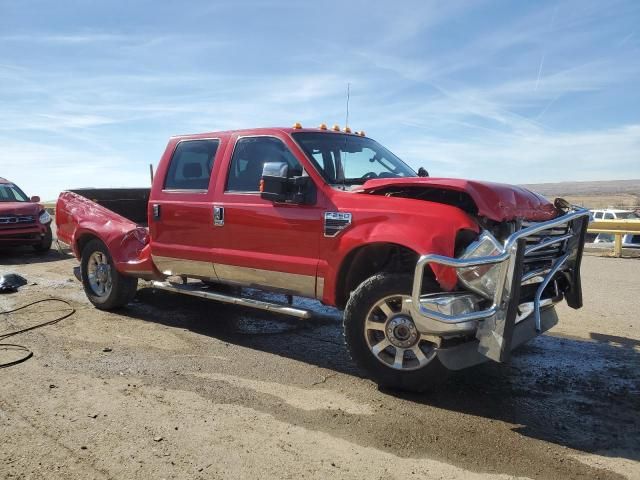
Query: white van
613, 214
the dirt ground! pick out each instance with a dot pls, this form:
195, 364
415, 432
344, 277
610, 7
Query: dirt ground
175, 387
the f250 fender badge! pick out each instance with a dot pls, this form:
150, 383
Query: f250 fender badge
335, 222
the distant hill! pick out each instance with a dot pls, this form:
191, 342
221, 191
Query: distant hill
601, 194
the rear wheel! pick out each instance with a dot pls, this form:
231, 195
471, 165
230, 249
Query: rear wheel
105, 287
383, 339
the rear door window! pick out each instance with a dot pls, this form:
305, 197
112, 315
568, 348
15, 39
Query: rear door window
609, 216
191, 165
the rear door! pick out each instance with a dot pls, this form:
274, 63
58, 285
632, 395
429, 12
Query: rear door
181, 214
266, 244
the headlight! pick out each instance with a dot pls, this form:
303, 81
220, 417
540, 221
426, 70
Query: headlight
481, 279
452, 304
45, 217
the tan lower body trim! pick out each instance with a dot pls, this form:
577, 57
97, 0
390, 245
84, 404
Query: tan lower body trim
180, 266
293, 283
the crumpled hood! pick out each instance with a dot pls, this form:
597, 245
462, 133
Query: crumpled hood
497, 201
19, 208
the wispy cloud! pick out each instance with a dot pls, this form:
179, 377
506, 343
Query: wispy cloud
71, 39
539, 73
44, 169
534, 157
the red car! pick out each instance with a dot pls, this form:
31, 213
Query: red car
433, 274
23, 220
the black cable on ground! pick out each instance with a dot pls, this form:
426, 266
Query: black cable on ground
12, 347
29, 353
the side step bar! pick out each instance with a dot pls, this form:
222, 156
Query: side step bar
196, 291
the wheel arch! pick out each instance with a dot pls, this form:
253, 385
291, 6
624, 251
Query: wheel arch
82, 240
366, 260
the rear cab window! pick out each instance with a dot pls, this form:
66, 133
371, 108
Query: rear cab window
190, 166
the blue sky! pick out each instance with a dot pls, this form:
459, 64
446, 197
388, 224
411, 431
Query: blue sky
511, 91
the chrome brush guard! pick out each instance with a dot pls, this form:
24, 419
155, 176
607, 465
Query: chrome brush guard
494, 325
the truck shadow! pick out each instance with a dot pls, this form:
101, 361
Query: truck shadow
576, 393
26, 255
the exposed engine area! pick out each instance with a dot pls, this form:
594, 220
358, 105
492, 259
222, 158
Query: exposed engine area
462, 200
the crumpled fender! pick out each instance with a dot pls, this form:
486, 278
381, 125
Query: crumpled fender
128, 243
431, 231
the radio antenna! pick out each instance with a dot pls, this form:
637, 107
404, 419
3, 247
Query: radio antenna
346, 121
346, 137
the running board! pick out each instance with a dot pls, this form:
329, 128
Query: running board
196, 291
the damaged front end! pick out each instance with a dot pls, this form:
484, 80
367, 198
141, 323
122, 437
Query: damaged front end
508, 288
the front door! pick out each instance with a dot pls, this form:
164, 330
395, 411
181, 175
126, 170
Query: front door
266, 244
181, 215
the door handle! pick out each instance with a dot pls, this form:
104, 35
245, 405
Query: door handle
218, 216
156, 211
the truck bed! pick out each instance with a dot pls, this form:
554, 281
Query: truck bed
116, 216
131, 203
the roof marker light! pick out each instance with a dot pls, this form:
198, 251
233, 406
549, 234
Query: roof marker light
362, 134
297, 125
323, 126
336, 128
347, 129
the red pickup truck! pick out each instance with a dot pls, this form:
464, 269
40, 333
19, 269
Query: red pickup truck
433, 274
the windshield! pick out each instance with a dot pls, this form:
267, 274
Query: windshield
10, 193
350, 160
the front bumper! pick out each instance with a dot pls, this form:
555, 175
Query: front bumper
494, 326
31, 235
468, 354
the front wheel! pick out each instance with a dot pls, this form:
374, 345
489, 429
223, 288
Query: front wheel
382, 337
45, 243
105, 287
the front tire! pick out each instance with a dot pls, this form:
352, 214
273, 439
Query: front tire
382, 338
105, 287
45, 243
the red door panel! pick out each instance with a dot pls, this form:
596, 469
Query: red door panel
181, 209
265, 243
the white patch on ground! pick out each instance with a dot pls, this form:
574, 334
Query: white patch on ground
615, 460
114, 429
297, 397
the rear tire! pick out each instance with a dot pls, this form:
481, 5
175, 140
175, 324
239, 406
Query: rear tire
45, 244
105, 287
384, 341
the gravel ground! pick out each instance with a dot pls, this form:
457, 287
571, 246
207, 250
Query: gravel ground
175, 387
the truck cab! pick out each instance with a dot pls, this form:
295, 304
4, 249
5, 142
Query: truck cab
433, 274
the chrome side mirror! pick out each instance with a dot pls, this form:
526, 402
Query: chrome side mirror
273, 184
